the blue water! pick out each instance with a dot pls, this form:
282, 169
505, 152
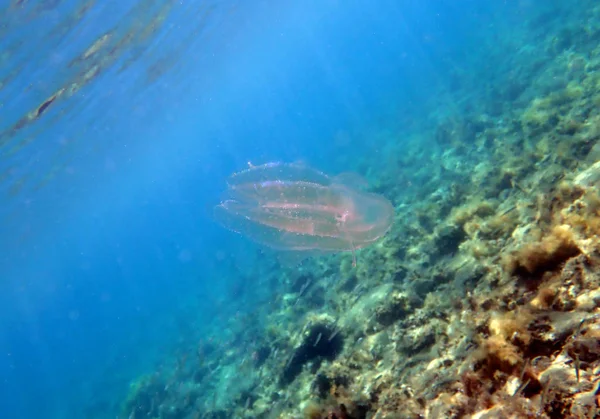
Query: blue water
110, 260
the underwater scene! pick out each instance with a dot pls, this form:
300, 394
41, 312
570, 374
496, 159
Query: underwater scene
319, 209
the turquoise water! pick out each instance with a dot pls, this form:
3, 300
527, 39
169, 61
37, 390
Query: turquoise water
121, 122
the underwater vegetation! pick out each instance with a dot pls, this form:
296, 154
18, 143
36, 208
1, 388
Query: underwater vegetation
481, 301
293, 207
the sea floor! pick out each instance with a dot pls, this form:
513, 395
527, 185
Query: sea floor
483, 300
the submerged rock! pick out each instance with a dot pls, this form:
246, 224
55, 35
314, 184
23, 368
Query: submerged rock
320, 342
